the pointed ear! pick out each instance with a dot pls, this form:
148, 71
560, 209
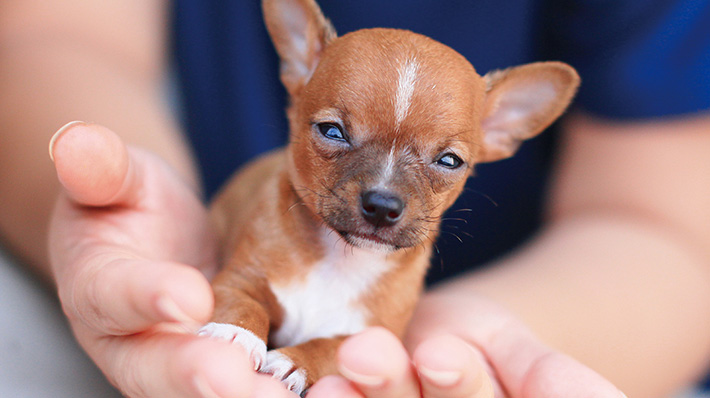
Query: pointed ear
300, 32
521, 102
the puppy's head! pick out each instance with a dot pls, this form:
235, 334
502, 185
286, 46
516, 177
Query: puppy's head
386, 125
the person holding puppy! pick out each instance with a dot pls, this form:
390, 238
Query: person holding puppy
619, 264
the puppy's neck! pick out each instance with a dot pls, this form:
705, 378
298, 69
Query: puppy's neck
344, 274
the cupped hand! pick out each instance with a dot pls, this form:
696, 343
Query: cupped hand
131, 253
459, 347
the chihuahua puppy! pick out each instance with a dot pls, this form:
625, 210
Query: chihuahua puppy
334, 233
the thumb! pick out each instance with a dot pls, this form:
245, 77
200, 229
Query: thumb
93, 165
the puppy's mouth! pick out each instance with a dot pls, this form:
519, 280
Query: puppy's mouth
373, 222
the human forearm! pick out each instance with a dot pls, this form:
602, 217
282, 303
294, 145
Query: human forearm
50, 75
590, 287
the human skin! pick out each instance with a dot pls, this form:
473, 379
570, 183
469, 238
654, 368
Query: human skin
119, 249
624, 250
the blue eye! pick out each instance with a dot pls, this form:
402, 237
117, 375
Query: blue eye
450, 161
332, 131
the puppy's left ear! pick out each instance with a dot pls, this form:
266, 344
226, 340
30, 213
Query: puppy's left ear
300, 32
521, 102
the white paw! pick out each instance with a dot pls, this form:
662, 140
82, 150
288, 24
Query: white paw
281, 367
255, 347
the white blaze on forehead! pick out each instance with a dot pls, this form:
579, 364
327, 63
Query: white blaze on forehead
389, 166
405, 89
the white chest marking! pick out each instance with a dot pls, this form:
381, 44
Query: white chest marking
327, 304
405, 90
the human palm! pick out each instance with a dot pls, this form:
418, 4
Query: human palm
459, 345
131, 253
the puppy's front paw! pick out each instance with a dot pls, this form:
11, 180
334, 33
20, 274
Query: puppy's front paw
282, 368
255, 347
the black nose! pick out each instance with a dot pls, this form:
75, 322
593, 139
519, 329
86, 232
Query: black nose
381, 209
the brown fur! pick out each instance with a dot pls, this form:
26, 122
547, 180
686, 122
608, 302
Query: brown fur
270, 214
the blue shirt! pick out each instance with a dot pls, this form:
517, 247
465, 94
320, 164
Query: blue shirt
637, 59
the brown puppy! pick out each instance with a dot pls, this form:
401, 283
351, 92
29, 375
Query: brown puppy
334, 233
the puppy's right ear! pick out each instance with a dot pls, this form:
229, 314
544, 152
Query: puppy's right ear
300, 32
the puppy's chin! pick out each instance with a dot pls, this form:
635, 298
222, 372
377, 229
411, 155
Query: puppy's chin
370, 244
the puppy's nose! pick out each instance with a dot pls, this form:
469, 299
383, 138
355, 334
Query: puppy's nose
381, 209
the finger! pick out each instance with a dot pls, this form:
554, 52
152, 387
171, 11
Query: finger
377, 363
93, 165
127, 296
528, 368
165, 364
266, 386
333, 386
449, 368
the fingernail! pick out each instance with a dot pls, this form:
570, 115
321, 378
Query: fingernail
365, 380
170, 310
58, 134
442, 378
622, 395
203, 388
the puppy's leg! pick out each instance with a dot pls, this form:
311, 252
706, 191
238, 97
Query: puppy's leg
240, 319
302, 365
